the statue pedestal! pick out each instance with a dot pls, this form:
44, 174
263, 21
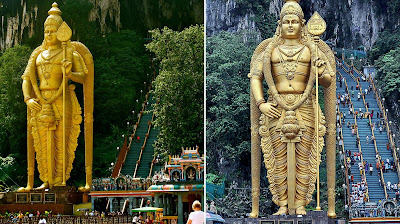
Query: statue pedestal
59, 200
312, 217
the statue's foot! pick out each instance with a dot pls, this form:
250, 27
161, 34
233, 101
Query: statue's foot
25, 189
43, 186
86, 188
301, 210
253, 215
282, 211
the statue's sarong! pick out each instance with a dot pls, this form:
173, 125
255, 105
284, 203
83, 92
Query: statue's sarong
275, 151
49, 135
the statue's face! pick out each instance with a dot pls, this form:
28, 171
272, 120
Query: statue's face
291, 26
50, 35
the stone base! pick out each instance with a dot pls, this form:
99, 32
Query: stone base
312, 217
58, 199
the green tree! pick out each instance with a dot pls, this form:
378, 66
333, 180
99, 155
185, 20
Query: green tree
228, 115
179, 88
13, 109
388, 72
388, 40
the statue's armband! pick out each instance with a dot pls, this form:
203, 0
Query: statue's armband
256, 71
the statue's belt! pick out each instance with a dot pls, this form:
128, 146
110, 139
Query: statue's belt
291, 98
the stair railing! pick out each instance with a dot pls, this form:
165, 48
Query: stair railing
152, 164
345, 159
121, 159
388, 131
143, 146
373, 136
358, 137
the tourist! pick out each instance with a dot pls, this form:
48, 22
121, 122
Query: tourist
370, 169
42, 221
380, 129
149, 220
367, 139
197, 216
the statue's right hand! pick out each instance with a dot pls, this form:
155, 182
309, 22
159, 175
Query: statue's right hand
33, 104
270, 110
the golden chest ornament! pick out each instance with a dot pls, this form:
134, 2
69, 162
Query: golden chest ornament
289, 65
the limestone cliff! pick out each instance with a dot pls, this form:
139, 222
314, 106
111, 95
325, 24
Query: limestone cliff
350, 23
22, 20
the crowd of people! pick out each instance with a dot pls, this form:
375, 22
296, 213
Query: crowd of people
358, 194
358, 189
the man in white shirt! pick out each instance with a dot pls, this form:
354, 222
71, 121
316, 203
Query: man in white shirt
135, 219
197, 216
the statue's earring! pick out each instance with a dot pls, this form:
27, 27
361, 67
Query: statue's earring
278, 29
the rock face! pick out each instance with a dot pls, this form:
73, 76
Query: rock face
14, 28
23, 19
221, 16
105, 10
350, 23
20, 21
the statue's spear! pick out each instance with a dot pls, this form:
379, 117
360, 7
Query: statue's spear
64, 34
316, 26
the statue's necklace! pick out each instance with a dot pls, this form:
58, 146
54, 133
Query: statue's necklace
289, 65
291, 51
47, 65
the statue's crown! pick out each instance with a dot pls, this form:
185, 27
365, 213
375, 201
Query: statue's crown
292, 7
54, 17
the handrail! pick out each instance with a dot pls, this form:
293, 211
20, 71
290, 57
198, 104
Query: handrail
120, 160
388, 131
373, 136
151, 167
143, 146
345, 159
358, 137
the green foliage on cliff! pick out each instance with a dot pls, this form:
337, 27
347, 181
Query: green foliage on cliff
179, 88
13, 112
387, 41
388, 67
265, 22
228, 117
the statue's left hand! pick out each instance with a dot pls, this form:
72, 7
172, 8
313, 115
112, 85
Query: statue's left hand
66, 66
321, 64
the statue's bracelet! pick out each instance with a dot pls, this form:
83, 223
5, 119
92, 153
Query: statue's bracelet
259, 102
27, 98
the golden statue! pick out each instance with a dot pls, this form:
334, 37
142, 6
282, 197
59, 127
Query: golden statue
54, 113
283, 125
